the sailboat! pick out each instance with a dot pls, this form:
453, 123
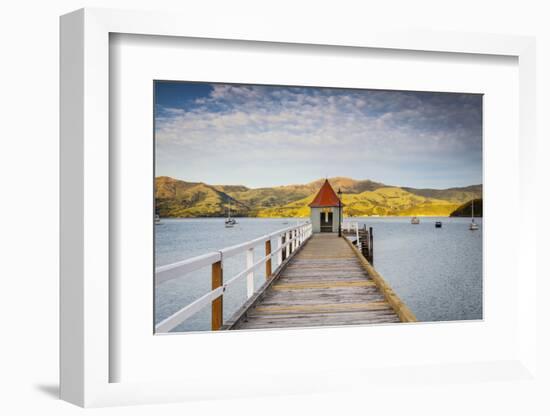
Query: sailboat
415, 220
473, 225
230, 222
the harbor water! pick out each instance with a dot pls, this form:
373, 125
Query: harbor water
437, 272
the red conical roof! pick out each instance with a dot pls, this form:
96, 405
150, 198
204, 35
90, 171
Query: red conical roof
326, 197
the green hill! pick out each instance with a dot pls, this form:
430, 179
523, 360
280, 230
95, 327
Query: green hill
175, 198
465, 210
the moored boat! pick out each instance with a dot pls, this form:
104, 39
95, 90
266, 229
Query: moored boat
230, 222
473, 226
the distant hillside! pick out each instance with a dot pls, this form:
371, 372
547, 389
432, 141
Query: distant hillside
175, 198
279, 196
383, 201
465, 210
457, 195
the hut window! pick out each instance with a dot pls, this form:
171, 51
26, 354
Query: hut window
325, 214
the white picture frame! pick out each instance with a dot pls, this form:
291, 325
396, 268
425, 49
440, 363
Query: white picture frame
86, 355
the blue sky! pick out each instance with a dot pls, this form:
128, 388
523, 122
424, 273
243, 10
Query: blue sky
269, 135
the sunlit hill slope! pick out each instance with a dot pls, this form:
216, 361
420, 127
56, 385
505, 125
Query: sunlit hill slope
176, 198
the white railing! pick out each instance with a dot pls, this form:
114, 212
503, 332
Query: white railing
287, 240
352, 227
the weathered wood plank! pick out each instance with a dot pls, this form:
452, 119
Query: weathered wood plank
324, 307
323, 285
370, 314
321, 295
332, 319
321, 269
322, 298
325, 278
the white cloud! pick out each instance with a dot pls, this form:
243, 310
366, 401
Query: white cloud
300, 125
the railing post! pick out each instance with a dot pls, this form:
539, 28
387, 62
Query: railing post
371, 240
217, 304
250, 275
287, 248
289, 243
268, 262
284, 249
279, 251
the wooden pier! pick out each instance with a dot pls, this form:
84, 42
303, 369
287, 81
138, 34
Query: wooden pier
320, 280
324, 284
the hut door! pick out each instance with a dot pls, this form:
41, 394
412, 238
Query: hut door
326, 222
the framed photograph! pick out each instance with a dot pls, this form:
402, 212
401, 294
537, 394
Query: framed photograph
225, 197
279, 244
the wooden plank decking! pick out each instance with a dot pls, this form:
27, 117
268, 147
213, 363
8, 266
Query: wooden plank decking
325, 283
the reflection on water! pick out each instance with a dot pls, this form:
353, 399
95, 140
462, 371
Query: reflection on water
437, 272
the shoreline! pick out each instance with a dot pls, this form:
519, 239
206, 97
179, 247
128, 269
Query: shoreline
298, 218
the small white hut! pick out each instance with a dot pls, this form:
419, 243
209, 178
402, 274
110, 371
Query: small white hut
325, 210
